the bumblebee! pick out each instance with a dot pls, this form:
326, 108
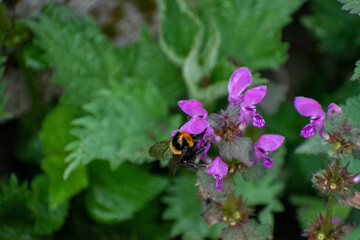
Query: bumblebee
180, 150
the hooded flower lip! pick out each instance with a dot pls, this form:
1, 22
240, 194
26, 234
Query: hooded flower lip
248, 109
239, 80
310, 108
266, 143
333, 109
218, 169
192, 108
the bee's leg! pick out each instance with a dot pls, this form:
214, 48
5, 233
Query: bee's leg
202, 149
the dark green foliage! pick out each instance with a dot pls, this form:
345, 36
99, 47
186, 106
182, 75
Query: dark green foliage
185, 208
116, 195
310, 207
330, 24
27, 214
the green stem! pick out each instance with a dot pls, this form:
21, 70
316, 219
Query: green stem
327, 227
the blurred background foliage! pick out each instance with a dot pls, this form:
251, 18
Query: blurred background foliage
88, 86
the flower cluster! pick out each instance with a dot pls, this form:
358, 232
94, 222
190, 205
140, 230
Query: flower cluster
227, 129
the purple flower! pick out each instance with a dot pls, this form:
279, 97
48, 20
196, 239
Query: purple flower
198, 123
219, 170
310, 108
248, 109
333, 109
239, 80
266, 143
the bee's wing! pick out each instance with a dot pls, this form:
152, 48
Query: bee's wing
174, 164
161, 150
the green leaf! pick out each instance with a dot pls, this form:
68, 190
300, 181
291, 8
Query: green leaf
265, 192
310, 207
239, 149
16, 220
138, 61
351, 110
250, 30
314, 145
337, 31
54, 136
208, 185
353, 6
84, 59
248, 231
48, 219
179, 29
119, 127
116, 195
26, 214
55, 130
185, 208
356, 75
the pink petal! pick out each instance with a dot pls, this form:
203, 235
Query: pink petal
269, 142
218, 167
333, 109
196, 125
239, 80
192, 108
308, 107
254, 96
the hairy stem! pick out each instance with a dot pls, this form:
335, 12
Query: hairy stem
327, 227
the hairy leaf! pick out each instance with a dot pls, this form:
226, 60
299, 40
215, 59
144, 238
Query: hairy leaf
116, 195
179, 29
265, 192
353, 6
26, 214
48, 219
313, 145
185, 208
356, 75
54, 136
208, 184
122, 123
351, 110
84, 59
239, 149
146, 61
250, 30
